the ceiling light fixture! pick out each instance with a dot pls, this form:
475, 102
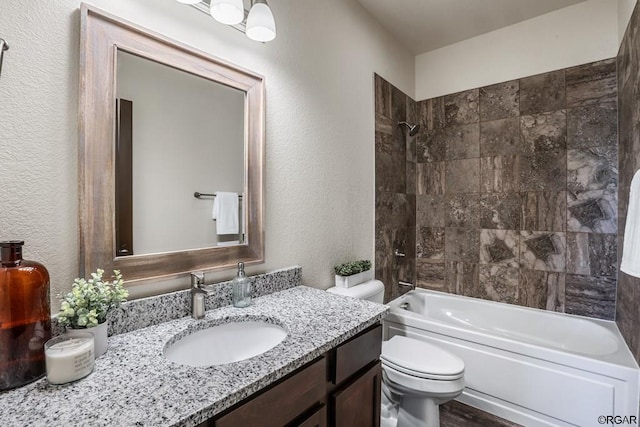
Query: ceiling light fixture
260, 24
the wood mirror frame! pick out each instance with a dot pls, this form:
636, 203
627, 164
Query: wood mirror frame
102, 35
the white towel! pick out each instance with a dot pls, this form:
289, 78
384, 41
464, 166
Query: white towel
225, 212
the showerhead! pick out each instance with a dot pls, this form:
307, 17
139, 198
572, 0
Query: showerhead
413, 129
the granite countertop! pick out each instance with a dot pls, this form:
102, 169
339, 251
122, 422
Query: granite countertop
134, 385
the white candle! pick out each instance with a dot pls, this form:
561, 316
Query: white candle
69, 358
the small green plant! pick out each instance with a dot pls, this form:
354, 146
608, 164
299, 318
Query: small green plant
89, 301
353, 267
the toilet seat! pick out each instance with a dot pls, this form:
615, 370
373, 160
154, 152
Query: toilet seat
408, 356
404, 384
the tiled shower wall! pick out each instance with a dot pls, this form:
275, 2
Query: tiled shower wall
515, 192
628, 306
395, 188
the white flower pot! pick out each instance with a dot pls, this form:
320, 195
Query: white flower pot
354, 279
99, 335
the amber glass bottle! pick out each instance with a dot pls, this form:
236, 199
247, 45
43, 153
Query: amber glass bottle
25, 317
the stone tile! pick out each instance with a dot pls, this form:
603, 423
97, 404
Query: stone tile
594, 168
410, 177
544, 251
395, 210
500, 174
544, 211
496, 283
543, 132
388, 268
430, 210
398, 105
593, 211
500, 247
430, 275
593, 83
456, 414
542, 93
461, 211
385, 270
462, 176
406, 267
411, 149
462, 108
590, 254
430, 243
390, 173
460, 275
462, 142
383, 96
591, 296
542, 289
500, 137
431, 113
384, 124
462, 245
431, 178
500, 101
500, 211
412, 110
623, 208
431, 146
592, 126
390, 165
543, 171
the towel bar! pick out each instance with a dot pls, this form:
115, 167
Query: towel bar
198, 195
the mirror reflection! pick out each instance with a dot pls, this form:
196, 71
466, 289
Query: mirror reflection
177, 134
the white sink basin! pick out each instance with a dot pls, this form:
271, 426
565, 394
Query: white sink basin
226, 343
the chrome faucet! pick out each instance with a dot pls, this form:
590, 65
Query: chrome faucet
198, 293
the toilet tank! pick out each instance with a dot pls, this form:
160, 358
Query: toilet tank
372, 290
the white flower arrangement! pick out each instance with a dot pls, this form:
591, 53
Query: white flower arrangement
89, 301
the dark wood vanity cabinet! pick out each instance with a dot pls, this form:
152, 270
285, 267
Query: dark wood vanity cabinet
340, 388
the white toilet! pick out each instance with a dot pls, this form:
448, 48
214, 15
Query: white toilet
417, 376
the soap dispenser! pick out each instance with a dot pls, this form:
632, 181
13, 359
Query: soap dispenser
241, 288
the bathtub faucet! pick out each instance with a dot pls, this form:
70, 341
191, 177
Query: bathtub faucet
406, 284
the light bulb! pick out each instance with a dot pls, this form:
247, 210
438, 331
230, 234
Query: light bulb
261, 26
189, 1
230, 12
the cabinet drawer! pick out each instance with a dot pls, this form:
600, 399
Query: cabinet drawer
357, 353
283, 402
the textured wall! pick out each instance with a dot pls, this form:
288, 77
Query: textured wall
628, 306
319, 123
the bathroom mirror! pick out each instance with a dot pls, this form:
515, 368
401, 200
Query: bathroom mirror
122, 189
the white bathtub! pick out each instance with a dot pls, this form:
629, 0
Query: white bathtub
529, 366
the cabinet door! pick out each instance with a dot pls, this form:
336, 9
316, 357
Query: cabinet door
283, 402
357, 404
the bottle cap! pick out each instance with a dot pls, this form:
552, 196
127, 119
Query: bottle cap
9, 243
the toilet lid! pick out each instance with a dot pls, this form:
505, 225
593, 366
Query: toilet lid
421, 359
